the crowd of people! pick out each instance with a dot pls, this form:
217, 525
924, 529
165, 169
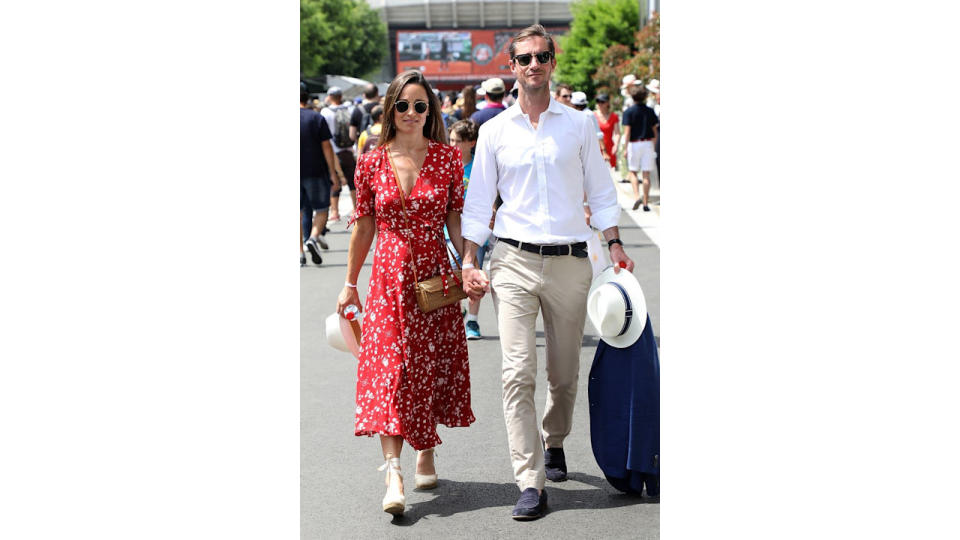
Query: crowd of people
427, 170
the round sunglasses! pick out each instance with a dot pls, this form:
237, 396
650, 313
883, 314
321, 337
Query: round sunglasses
542, 58
402, 105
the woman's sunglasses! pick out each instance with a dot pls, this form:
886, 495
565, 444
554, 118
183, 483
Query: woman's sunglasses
402, 105
542, 57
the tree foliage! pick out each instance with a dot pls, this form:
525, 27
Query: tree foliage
642, 60
340, 37
596, 26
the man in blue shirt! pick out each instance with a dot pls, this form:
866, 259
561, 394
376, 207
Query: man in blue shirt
495, 90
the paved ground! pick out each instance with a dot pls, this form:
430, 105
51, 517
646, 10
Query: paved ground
341, 488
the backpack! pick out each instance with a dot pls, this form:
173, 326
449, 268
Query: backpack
365, 120
341, 129
371, 140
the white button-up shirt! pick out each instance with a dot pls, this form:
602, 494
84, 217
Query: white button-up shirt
542, 175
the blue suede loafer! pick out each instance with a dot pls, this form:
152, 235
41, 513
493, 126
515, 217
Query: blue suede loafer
530, 505
555, 464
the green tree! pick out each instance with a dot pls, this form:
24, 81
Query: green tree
596, 25
642, 60
340, 37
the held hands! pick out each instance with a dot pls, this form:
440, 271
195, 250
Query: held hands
475, 283
348, 296
620, 259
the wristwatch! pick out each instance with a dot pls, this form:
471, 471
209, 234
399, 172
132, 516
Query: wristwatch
610, 243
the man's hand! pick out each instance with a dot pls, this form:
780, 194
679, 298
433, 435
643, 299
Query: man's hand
620, 259
475, 283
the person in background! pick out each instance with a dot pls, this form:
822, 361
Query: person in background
446, 108
317, 163
481, 97
609, 124
413, 372
653, 99
371, 136
654, 88
495, 90
463, 135
469, 103
579, 102
640, 125
344, 151
564, 93
361, 113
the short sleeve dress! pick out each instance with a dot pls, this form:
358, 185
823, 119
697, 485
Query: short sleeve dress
413, 371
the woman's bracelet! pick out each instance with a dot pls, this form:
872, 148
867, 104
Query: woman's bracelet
351, 285
467, 266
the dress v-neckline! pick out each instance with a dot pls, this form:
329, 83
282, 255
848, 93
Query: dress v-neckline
396, 176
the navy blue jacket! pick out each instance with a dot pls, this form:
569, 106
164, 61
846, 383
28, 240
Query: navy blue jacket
624, 394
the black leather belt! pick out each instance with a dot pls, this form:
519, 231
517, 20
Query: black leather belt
577, 250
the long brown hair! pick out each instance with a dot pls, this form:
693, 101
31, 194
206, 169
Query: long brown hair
433, 129
469, 102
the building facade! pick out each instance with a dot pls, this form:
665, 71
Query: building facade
460, 42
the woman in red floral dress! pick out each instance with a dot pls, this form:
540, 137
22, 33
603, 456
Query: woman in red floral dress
413, 371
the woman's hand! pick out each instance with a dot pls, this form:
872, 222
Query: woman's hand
475, 283
348, 296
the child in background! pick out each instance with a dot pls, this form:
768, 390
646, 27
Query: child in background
463, 135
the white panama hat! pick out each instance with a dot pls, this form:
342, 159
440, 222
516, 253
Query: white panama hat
617, 308
654, 86
340, 335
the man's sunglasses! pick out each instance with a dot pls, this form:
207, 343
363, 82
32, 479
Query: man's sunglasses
542, 58
419, 106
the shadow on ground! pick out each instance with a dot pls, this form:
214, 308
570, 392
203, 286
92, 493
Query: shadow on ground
457, 497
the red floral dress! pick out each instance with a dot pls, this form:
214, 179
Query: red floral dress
413, 372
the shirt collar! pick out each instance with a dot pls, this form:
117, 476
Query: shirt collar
555, 107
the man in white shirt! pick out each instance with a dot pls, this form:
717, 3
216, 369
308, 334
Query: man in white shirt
541, 157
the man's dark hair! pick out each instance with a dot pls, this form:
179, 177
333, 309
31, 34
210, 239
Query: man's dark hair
370, 91
531, 31
494, 97
638, 94
304, 98
376, 114
562, 86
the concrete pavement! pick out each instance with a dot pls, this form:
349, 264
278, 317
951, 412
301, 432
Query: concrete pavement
341, 487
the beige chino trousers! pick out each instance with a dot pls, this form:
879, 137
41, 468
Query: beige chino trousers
524, 284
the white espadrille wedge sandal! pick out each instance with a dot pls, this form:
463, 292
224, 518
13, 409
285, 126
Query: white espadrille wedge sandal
394, 501
427, 481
